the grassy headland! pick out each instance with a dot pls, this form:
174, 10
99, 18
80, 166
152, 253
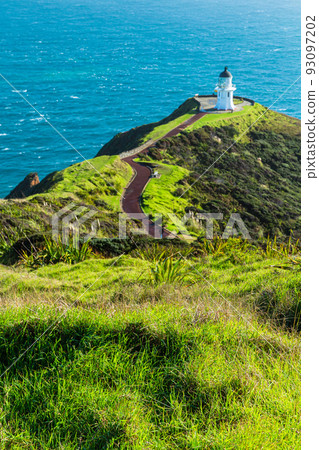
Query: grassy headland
136, 136
165, 344
256, 174
96, 183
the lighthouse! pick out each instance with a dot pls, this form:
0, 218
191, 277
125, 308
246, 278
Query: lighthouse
225, 90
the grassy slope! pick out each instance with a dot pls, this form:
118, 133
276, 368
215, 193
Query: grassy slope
98, 183
209, 363
161, 130
256, 174
133, 365
102, 178
228, 273
225, 118
255, 117
158, 195
209, 119
136, 136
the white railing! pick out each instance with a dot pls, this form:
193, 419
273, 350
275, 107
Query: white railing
137, 149
223, 85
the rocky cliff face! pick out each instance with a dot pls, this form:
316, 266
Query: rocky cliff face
26, 186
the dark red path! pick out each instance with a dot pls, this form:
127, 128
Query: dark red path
131, 198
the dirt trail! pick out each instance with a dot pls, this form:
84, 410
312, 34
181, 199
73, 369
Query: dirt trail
132, 195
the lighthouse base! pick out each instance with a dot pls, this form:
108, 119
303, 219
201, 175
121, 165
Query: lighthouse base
225, 103
208, 103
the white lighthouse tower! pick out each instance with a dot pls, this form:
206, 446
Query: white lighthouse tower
225, 90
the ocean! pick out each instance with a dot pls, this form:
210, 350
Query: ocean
95, 68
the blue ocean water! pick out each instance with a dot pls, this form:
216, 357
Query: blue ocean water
94, 68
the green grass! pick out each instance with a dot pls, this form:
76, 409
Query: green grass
192, 346
209, 119
184, 363
161, 130
241, 119
136, 136
151, 378
257, 176
54, 251
229, 270
102, 178
161, 194
97, 183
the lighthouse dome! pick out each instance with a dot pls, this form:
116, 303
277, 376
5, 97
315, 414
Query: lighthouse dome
225, 74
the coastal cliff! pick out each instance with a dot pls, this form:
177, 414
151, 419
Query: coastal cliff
246, 162
25, 188
178, 341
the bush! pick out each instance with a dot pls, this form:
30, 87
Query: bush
54, 252
167, 270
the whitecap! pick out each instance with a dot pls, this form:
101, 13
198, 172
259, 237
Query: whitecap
73, 96
3, 134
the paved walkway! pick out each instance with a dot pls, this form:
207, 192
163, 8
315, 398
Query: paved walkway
132, 195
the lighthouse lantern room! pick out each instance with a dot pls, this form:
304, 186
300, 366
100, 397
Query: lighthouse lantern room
225, 90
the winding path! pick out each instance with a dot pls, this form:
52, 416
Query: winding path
131, 199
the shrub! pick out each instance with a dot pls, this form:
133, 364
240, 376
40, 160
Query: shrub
54, 252
167, 270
